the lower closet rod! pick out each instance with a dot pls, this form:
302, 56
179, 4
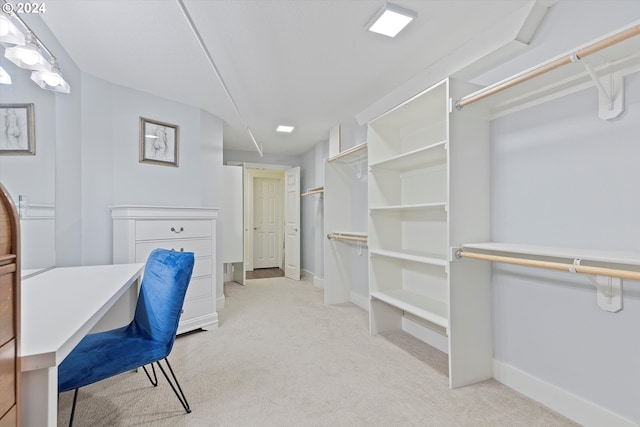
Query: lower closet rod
599, 271
346, 237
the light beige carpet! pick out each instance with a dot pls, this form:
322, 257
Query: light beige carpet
282, 358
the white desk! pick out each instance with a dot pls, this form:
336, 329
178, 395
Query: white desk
58, 308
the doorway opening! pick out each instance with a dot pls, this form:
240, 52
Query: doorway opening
272, 222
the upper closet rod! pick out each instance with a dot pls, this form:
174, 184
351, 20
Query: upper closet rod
348, 152
574, 268
527, 75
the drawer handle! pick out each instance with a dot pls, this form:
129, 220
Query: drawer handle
174, 230
181, 249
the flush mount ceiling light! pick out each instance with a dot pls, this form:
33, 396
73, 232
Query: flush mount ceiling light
285, 129
390, 20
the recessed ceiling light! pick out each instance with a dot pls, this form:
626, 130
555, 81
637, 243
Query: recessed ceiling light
390, 20
283, 128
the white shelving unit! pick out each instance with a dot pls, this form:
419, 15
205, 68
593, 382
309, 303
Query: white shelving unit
342, 174
429, 191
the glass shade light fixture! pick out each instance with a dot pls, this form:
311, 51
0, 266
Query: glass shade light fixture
51, 80
28, 56
5, 78
27, 52
390, 20
10, 35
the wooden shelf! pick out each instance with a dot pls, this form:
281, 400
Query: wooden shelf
411, 256
422, 157
419, 305
615, 257
406, 208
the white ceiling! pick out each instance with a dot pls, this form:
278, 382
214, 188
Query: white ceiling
307, 63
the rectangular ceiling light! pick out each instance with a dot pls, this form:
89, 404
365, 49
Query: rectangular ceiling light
390, 20
283, 128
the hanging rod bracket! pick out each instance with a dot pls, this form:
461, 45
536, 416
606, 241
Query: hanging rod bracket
356, 166
610, 90
609, 292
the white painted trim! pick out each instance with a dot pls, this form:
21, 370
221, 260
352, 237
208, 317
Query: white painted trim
206, 322
360, 301
568, 404
318, 282
425, 334
220, 302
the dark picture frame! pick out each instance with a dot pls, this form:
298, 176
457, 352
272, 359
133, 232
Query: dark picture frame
159, 142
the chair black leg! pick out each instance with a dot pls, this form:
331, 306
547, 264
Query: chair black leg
181, 397
154, 381
73, 406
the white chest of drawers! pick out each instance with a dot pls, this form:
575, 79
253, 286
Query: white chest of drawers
137, 230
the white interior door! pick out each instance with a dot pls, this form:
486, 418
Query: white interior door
292, 224
266, 222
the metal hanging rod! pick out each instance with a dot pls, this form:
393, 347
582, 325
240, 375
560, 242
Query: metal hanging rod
549, 66
574, 268
347, 236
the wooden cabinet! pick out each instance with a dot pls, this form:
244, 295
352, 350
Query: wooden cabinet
9, 311
138, 230
428, 192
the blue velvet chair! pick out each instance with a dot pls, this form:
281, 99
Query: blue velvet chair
146, 340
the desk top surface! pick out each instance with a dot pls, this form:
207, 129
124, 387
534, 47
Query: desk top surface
60, 306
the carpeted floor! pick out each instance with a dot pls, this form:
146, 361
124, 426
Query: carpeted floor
282, 358
264, 273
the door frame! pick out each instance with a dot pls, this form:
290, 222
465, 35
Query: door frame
249, 170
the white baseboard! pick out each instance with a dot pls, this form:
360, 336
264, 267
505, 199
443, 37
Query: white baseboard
568, 404
220, 301
360, 301
425, 334
318, 282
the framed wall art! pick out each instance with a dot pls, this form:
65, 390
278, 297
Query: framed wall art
159, 142
17, 129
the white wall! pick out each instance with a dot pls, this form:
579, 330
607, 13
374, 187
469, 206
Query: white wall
563, 177
112, 173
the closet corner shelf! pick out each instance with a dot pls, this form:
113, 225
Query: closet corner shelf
431, 154
356, 153
411, 256
312, 191
426, 308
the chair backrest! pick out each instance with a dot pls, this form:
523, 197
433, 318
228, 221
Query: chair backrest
164, 285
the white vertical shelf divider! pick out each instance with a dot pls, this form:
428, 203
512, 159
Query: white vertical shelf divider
428, 190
